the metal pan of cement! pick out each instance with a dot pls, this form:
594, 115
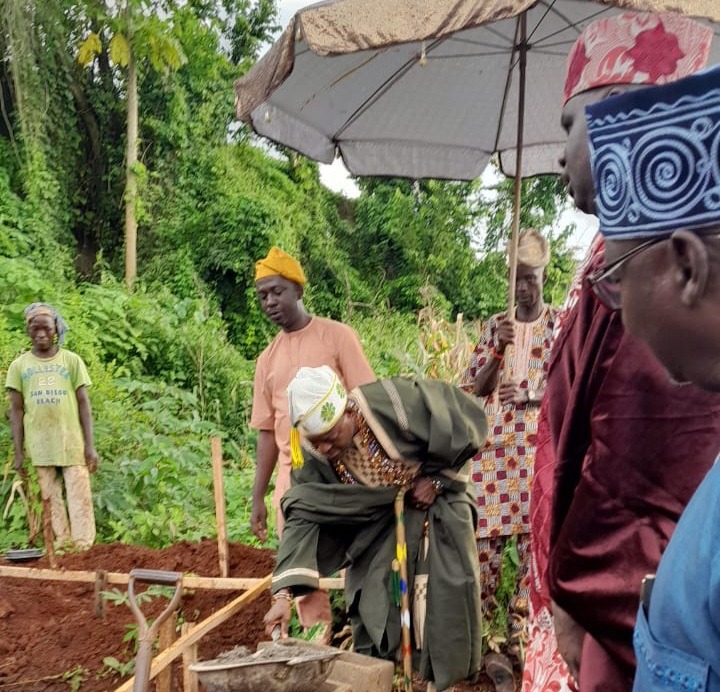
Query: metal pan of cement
24, 554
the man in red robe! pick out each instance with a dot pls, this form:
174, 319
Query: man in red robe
623, 449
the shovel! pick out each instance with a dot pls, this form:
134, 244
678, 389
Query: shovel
147, 635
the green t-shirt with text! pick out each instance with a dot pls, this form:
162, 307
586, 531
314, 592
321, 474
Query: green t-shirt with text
53, 436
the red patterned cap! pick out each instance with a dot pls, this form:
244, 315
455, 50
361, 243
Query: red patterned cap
636, 48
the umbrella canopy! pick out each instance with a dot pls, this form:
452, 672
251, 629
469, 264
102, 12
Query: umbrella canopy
426, 88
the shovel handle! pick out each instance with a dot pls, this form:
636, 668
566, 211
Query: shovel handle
156, 576
151, 576
146, 635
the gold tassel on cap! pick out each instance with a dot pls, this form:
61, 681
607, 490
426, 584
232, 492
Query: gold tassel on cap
296, 448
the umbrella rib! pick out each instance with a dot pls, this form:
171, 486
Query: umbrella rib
491, 29
540, 21
506, 91
482, 44
395, 140
402, 71
487, 27
498, 49
560, 54
568, 23
556, 44
380, 91
447, 56
368, 60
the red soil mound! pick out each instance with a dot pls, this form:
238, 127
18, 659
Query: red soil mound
50, 627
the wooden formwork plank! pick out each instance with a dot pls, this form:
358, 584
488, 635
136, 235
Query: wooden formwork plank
220, 583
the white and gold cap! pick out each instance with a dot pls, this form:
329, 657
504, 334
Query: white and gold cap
316, 401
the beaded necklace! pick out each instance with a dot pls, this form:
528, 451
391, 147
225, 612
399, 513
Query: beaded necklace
384, 470
342, 472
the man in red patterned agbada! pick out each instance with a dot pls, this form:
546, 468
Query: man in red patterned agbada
611, 475
511, 382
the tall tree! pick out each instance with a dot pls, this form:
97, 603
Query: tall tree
139, 37
409, 234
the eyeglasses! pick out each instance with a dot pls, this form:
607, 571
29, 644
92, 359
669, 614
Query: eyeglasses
605, 286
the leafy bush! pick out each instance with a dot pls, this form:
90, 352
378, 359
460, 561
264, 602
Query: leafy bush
172, 362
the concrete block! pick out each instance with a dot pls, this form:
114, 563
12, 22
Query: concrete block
352, 672
330, 686
363, 673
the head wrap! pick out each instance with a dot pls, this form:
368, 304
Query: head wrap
316, 401
636, 48
655, 156
36, 309
279, 263
533, 249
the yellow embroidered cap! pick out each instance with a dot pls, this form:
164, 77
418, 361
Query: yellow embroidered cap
280, 263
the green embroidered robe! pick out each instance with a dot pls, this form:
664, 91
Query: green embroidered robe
331, 525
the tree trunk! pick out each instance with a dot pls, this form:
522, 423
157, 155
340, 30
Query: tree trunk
130, 174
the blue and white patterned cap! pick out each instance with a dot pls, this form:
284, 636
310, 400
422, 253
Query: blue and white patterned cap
655, 156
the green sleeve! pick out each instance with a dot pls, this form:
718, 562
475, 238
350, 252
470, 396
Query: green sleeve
79, 375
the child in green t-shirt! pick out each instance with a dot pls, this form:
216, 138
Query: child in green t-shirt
51, 423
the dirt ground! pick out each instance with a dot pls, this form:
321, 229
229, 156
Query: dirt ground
50, 629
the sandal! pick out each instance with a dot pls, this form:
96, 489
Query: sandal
500, 671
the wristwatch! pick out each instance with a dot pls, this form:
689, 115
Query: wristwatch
531, 394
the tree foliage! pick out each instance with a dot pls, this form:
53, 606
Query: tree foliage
172, 362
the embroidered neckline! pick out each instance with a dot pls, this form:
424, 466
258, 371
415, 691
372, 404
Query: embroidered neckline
391, 472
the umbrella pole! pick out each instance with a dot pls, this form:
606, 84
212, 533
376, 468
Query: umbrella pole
513, 249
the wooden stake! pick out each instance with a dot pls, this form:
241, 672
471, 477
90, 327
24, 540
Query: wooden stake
48, 532
219, 486
190, 656
194, 635
166, 638
100, 586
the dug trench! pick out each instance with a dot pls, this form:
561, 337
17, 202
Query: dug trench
50, 629
52, 639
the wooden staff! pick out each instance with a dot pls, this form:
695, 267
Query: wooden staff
219, 487
101, 580
230, 584
401, 551
167, 636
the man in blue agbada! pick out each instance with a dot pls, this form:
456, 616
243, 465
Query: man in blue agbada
359, 449
656, 166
